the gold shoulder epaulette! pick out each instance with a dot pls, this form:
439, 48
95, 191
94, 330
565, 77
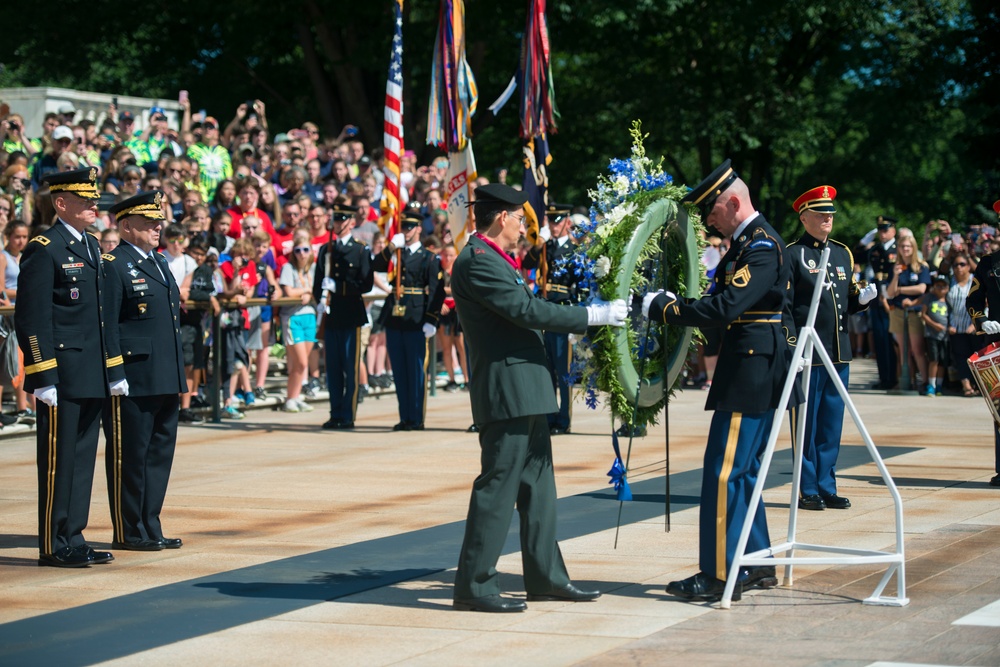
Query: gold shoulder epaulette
44, 240
108, 257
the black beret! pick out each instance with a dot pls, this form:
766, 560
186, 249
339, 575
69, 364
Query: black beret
498, 193
705, 193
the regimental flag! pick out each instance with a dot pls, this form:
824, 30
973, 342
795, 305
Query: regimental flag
454, 95
392, 132
461, 172
535, 184
538, 94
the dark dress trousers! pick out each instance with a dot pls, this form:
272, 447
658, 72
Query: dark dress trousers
350, 266
61, 333
511, 396
142, 304
423, 295
985, 291
749, 301
882, 257
825, 420
560, 287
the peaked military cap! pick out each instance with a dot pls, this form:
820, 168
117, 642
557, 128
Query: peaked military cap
498, 193
884, 222
557, 212
342, 212
146, 204
705, 193
80, 182
411, 218
818, 199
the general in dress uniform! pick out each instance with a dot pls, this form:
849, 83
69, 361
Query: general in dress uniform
749, 301
410, 316
69, 364
142, 304
511, 397
985, 293
882, 259
557, 283
343, 274
825, 419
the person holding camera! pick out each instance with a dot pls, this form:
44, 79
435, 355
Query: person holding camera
12, 132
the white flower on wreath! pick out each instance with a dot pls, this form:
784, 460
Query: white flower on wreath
622, 185
602, 267
620, 212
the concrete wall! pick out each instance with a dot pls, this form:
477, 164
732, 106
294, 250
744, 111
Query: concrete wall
34, 103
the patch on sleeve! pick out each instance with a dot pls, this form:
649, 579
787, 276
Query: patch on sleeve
742, 277
761, 243
108, 257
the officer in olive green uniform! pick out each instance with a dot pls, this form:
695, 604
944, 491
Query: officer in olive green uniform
557, 281
511, 397
69, 365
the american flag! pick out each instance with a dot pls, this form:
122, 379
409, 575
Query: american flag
392, 133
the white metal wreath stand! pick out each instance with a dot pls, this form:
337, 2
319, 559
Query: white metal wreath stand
808, 342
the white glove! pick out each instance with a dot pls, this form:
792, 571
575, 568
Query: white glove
47, 395
647, 300
429, 330
329, 285
991, 327
611, 313
398, 241
119, 388
867, 294
571, 339
545, 233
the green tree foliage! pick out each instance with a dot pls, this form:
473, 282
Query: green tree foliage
891, 101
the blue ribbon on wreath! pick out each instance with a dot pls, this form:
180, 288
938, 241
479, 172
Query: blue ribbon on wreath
618, 473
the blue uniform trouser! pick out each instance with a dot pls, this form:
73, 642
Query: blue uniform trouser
343, 358
408, 355
736, 441
824, 425
885, 356
558, 351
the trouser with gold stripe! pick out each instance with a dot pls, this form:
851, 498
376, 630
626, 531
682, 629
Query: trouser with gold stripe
66, 439
736, 441
141, 434
343, 360
559, 353
408, 353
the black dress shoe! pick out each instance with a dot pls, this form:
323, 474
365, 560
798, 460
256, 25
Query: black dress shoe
475, 429
171, 542
66, 557
703, 587
568, 593
762, 576
138, 545
331, 425
836, 502
401, 426
995, 481
813, 502
416, 426
489, 603
559, 430
96, 557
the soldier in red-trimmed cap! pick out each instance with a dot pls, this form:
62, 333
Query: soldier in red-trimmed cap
824, 420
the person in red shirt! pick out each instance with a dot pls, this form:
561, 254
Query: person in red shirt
319, 219
249, 198
241, 278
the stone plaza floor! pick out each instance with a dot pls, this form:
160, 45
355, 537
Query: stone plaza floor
310, 547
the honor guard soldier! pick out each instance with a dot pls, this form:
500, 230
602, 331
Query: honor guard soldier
69, 363
882, 258
825, 418
557, 282
343, 274
511, 397
143, 300
748, 300
985, 293
410, 317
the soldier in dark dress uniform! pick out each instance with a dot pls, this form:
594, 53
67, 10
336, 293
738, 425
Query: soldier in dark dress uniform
557, 283
343, 274
410, 318
69, 364
882, 258
825, 419
749, 299
985, 292
511, 397
142, 304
